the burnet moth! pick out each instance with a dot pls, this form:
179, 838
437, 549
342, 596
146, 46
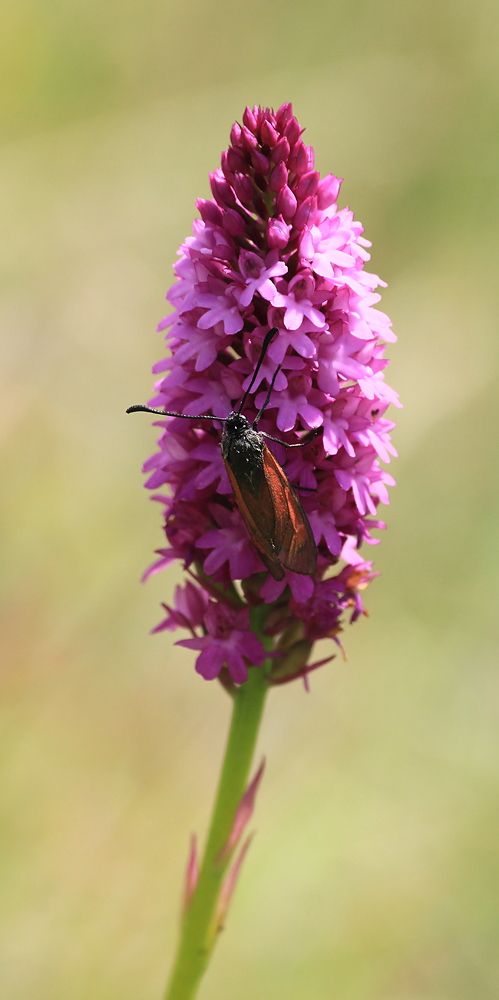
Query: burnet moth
271, 510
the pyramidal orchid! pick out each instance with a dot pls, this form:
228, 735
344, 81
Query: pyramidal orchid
271, 249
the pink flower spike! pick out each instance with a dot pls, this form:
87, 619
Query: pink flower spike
270, 249
192, 874
242, 817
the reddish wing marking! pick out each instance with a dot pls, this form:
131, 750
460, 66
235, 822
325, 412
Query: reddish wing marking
259, 518
293, 539
276, 521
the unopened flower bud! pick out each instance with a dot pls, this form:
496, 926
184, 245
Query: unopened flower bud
235, 134
292, 131
310, 156
292, 662
307, 185
236, 161
249, 120
260, 162
227, 172
283, 116
269, 135
298, 159
278, 177
286, 202
222, 191
281, 151
233, 223
277, 233
305, 214
249, 141
328, 191
243, 188
209, 212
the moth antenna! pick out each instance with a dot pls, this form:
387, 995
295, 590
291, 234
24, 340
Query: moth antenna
269, 336
165, 413
271, 386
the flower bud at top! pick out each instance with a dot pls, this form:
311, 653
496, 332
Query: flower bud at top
235, 134
283, 116
249, 141
305, 214
280, 151
222, 191
278, 177
236, 161
310, 156
269, 134
260, 162
277, 233
298, 159
328, 191
227, 172
292, 131
249, 120
307, 185
243, 188
286, 202
209, 212
233, 223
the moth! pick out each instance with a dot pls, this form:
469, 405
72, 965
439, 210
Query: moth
271, 510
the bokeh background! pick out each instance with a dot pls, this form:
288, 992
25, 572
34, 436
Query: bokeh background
374, 874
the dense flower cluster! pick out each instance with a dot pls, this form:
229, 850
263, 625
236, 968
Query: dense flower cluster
271, 249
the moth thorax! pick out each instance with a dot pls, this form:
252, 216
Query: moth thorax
236, 426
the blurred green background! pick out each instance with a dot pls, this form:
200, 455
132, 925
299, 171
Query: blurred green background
375, 871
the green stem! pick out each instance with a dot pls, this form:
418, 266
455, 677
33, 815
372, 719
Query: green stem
196, 943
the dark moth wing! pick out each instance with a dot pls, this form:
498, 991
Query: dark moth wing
275, 518
258, 516
293, 538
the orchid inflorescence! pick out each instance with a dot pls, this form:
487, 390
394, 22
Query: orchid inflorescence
271, 249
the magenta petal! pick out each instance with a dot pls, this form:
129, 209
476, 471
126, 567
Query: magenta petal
210, 662
237, 667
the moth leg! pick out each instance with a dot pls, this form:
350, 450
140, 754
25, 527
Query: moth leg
300, 444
